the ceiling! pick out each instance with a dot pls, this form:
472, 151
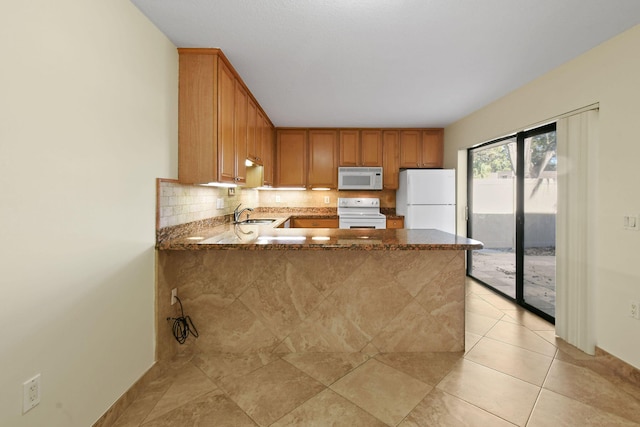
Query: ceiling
388, 63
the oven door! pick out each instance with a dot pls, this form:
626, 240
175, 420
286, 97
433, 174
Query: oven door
346, 221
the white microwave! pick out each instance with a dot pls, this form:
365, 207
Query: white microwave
360, 178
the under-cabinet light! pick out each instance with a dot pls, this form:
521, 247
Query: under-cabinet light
282, 188
219, 184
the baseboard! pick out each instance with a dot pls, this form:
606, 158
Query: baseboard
619, 367
129, 396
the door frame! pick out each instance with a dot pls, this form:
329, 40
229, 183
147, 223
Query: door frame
520, 214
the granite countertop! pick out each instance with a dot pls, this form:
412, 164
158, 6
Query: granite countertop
268, 236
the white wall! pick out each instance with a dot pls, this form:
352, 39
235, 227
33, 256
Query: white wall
88, 120
608, 74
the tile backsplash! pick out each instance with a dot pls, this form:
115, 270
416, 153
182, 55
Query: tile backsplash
181, 204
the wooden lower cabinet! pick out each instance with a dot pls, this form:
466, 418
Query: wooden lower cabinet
395, 222
314, 223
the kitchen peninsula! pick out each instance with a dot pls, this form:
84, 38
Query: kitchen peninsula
264, 289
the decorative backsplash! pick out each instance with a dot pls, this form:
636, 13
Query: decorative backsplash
181, 204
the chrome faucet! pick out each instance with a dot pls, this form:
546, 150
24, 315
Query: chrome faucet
237, 213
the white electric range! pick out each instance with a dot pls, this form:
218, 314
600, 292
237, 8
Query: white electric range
360, 212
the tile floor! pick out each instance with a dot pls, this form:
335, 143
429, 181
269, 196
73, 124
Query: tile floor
513, 372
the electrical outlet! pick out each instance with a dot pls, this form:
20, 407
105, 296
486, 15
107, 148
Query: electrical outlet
278, 199
174, 294
634, 309
326, 199
31, 394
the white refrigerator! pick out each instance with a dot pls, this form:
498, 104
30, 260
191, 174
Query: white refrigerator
427, 199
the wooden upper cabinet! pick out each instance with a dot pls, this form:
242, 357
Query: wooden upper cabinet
226, 112
391, 157
217, 119
349, 147
410, 149
268, 153
433, 148
421, 148
323, 159
371, 148
291, 158
360, 147
252, 130
197, 118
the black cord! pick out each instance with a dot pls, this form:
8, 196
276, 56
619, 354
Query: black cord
182, 326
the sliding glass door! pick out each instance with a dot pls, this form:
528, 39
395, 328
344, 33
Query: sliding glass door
512, 209
492, 214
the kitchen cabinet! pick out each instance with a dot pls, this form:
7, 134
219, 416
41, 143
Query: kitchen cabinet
217, 119
323, 159
395, 222
314, 222
239, 152
421, 148
253, 129
291, 158
360, 147
433, 148
268, 151
391, 159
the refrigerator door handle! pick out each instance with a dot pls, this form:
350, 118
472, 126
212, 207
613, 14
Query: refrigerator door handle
466, 213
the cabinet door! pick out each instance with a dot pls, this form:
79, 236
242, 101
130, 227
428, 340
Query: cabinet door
314, 223
349, 148
371, 148
197, 135
252, 129
323, 159
291, 158
410, 149
262, 129
432, 148
391, 156
395, 223
226, 143
268, 149
240, 133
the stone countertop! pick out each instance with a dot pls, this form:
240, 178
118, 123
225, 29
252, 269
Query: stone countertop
230, 236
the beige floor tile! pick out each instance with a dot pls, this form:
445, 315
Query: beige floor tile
475, 304
383, 391
478, 324
271, 391
520, 336
429, 368
328, 409
219, 365
501, 394
549, 336
555, 410
326, 367
149, 397
474, 287
444, 410
470, 340
187, 385
515, 361
528, 319
497, 301
588, 387
213, 409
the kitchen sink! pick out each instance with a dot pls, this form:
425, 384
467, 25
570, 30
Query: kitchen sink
258, 221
